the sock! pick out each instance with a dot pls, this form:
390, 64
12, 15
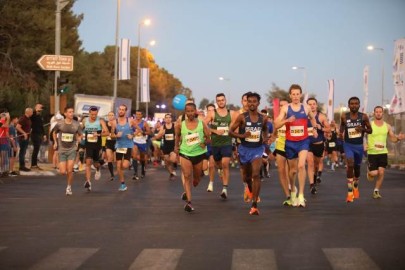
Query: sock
143, 167
135, 165
249, 184
111, 168
319, 174
376, 190
356, 183
254, 204
224, 186
350, 185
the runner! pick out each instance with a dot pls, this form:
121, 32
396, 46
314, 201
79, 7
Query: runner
209, 162
331, 145
67, 133
93, 128
252, 133
168, 135
377, 153
190, 143
295, 118
221, 142
110, 143
139, 152
317, 145
353, 126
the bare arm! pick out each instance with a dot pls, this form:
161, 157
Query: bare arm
239, 123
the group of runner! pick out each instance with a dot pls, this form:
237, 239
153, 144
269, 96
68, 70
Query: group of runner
299, 134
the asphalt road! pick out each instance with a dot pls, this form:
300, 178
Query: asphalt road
147, 228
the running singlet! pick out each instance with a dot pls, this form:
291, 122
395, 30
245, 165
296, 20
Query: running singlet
124, 142
67, 134
321, 136
377, 141
168, 138
280, 141
221, 123
191, 140
109, 130
89, 129
139, 137
351, 135
255, 128
333, 140
298, 129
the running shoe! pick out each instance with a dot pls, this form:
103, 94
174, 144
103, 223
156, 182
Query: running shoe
75, 168
123, 187
247, 195
287, 202
87, 185
254, 211
210, 187
377, 195
313, 189
184, 196
332, 167
350, 197
174, 173
97, 175
356, 193
188, 207
68, 191
112, 178
135, 177
205, 172
224, 194
301, 202
143, 174
318, 180
13, 173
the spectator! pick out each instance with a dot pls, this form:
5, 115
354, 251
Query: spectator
23, 132
4, 143
37, 134
13, 144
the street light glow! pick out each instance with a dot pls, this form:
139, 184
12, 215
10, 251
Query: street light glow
152, 42
370, 47
147, 22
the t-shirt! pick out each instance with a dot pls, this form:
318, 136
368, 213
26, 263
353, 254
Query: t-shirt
67, 134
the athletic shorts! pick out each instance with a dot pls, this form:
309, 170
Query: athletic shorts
377, 161
331, 146
110, 144
194, 160
209, 151
221, 151
67, 155
354, 151
93, 153
292, 148
279, 152
123, 153
317, 149
142, 147
249, 154
167, 149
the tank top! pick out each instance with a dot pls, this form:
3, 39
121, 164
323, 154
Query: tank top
333, 140
377, 141
221, 123
168, 137
298, 129
255, 129
351, 135
140, 138
124, 141
321, 136
191, 139
89, 129
280, 141
109, 130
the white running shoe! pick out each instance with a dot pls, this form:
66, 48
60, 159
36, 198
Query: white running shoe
224, 194
301, 201
76, 168
97, 175
206, 172
210, 187
174, 173
68, 191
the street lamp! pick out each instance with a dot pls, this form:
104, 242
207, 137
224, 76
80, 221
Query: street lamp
145, 22
372, 48
304, 71
229, 89
160, 107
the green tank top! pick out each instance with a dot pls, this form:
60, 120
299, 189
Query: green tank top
377, 141
218, 124
191, 139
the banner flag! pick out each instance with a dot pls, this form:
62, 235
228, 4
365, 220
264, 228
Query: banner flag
330, 113
276, 107
398, 101
365, 88
145, 85
124, 67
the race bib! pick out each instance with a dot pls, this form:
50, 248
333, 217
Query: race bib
67, 137
254, 136
297, 131
169, 137
379, 146
311, 131
332, 144
281, 132
91, 138
121, 150
353, 133
192, 139
109, 138
225, 129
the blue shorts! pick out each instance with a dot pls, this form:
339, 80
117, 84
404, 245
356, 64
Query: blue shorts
209, 151
292, 148
142, 147
248, 155
354, 151
221, 151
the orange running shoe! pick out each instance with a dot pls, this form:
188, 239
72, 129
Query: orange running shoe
247, 195
356, 193
254, 211
349, 198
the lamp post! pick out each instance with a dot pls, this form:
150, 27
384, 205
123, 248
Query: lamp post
372, 48
304, 71
151, 44
229, 89
138, 78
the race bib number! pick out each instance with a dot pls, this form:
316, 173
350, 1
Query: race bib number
121, 150
297, 131
379, 146
91, 138
353, 133
311, 131
169, 137
192, 139
225, 129
332, 144
281, 132
67, 137
254, 136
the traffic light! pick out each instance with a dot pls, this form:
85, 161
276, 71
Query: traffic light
63, 86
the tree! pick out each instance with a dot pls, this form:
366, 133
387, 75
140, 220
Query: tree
203, 103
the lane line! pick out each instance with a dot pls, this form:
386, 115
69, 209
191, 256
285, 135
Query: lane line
349, 258
157, 259
254, 259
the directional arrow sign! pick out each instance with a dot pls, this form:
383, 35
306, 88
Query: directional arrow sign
56, 62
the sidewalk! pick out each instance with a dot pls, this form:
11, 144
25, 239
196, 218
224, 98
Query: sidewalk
47, 170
